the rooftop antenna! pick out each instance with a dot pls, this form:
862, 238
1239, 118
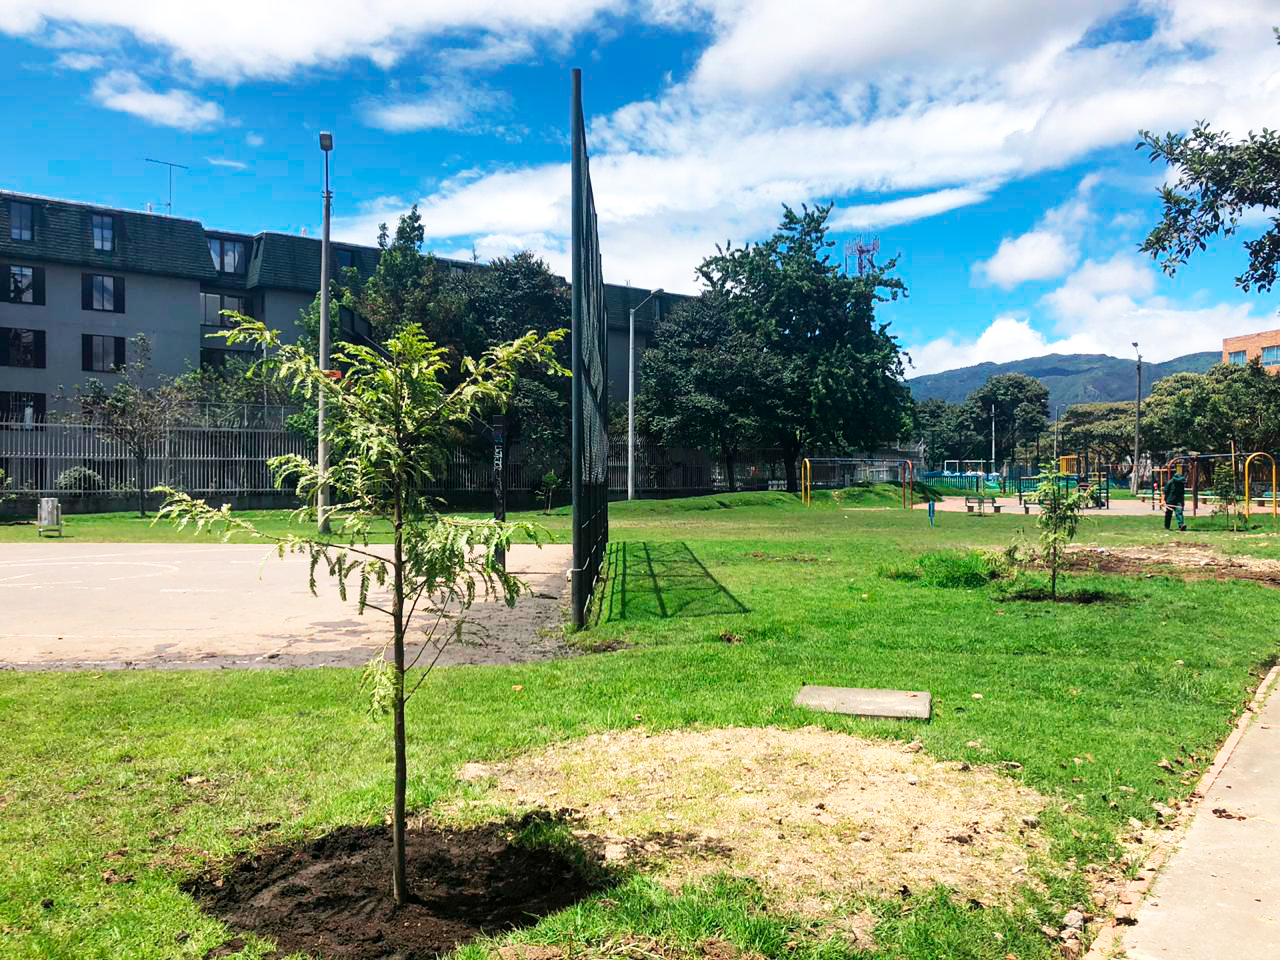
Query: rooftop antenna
166, 163
866, 248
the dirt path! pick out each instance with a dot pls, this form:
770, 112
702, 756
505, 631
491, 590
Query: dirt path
103, 606
1197, 560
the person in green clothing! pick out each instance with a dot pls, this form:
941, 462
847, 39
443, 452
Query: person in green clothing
1175, 495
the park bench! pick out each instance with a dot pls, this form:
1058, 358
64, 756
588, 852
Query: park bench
981, 503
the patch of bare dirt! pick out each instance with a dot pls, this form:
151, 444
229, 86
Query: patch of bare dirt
810, 813
331, 897
1195, 560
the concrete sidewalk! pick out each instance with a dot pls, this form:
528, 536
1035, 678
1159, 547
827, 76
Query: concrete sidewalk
1219, 896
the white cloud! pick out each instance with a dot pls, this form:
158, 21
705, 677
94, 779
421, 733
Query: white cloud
1102, 307
80, 61
1036, 255
453, 106
892, 212
254, 139
224, 162
1049, 250
124, 91
234, 39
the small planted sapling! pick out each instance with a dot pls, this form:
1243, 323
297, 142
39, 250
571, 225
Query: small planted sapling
1058, 521
547, 487
396, 414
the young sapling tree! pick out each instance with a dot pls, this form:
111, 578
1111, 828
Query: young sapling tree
399, 411
137, 411
1058, 521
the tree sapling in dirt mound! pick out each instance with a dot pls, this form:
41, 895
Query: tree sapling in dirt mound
396, 414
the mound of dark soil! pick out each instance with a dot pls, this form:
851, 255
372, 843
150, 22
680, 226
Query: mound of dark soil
331, 897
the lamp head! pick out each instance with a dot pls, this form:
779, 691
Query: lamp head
326, 141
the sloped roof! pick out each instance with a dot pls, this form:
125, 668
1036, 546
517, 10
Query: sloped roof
144, 242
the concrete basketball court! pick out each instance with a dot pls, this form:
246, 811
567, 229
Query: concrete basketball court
99, 606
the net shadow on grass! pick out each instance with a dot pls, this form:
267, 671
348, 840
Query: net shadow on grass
648, 580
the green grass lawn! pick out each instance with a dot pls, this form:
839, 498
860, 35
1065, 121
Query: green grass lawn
154, 775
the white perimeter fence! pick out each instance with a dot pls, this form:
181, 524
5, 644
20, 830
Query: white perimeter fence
208, 458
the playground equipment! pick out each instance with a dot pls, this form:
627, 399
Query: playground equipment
970, 481
1096, 484
1198, 466
1248, 501
834, 473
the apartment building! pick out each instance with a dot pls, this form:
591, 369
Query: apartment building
1264, 346
77, 281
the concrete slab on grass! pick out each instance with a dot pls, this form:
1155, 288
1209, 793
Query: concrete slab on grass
861, 702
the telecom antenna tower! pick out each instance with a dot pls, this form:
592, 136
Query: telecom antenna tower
866, 248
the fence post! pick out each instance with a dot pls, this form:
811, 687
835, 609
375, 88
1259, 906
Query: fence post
499, 479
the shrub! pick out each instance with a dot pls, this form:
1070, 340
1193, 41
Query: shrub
952, 569
80, 479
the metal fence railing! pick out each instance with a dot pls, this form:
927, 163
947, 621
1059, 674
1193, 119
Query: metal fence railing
205, 458
52, 459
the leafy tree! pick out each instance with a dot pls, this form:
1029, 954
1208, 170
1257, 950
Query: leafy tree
400, 406
1021, 411
137, 412
836, 372
240, 382
947, 431
1219, 179
702, 379
1101, 431
512, 296
410, 289
1058, 521
1207, 412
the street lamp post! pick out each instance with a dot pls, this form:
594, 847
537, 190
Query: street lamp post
322, 446
1137, 424
631, 396
1057, 423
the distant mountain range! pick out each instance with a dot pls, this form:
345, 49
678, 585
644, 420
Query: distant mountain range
1072, 378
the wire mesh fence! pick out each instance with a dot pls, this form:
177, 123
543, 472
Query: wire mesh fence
589, 461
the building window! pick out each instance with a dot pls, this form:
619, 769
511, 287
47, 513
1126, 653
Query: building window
345, 258
1270, 356
102, 293
17, 406
21, 348
1236, 357
102, 354
22, 221
213, 358
212, 305
25, 285
104, 232
228, 255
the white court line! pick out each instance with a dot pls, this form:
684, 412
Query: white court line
41, 561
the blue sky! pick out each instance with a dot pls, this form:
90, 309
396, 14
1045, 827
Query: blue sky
989, 145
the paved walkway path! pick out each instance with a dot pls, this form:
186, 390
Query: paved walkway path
954, 503
1219, 896
103, 605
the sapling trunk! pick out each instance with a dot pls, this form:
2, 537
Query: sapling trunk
400, 887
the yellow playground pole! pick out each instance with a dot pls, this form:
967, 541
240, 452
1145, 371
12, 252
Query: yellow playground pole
806, 482
1249, 503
